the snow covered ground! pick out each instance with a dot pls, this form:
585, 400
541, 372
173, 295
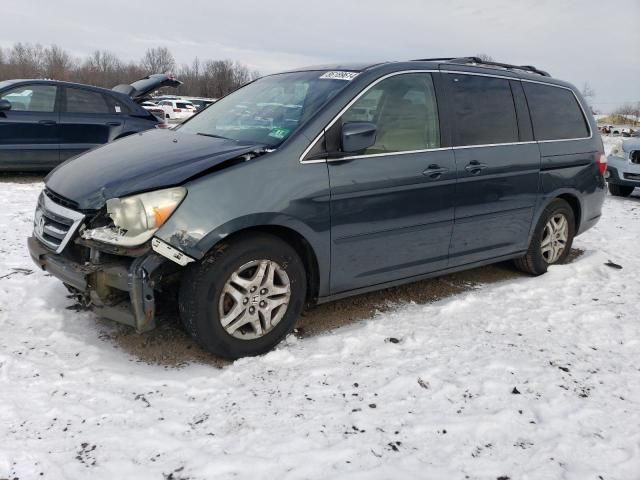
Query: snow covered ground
530, 378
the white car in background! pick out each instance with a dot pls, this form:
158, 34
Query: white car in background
177, 109
154, 108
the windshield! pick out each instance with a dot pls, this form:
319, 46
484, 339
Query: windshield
268, 110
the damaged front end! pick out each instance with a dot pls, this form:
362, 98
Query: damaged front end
104, 244
117, 282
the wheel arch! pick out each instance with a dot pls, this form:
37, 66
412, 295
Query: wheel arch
574, 203
295, 239
568, 196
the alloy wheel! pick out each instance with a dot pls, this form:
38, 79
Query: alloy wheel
254, 299
554, 238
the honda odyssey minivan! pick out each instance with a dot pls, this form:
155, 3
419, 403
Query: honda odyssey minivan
312, 185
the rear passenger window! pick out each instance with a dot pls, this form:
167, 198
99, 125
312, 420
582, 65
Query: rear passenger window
404, 110
483, 110
555, 112
85, 101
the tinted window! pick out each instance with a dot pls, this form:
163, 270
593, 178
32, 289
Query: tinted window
85, 101
31, 98
404, 110
483, 109
184, 105
555, 112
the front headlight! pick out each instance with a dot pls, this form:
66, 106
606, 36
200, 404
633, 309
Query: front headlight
136, 218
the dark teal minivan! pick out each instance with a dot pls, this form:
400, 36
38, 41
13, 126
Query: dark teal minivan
312, 185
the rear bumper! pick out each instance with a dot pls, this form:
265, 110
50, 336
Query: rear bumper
120, 289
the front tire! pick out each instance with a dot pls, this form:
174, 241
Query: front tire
552, 239
245, 297
620, 190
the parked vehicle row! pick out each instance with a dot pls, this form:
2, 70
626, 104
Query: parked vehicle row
317, 184
177, 109
45, 122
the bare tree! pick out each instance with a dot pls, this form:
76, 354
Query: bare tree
636, 113
589, 94
57, 63
158, 60
102, 68
26, 60
203, 78
627, 113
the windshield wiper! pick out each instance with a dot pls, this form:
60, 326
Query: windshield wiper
215, 136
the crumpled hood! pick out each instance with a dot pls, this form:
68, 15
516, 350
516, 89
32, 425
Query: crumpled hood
147, 161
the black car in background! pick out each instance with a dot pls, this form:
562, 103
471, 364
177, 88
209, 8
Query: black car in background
45, 122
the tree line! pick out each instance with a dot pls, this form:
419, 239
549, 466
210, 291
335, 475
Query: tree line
202, 78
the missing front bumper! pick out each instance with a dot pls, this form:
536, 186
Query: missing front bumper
121, 290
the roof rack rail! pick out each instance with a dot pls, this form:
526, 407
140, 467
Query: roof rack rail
479, 61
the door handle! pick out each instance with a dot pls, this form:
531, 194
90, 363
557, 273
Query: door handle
475, 167
48, 123
435, 171
114, 124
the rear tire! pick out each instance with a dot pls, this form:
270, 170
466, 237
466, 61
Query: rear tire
552, 239
620, 190
245, 297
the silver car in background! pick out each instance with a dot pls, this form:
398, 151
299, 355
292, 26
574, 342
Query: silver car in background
623, 167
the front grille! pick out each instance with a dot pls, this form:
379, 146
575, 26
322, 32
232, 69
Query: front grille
55, 224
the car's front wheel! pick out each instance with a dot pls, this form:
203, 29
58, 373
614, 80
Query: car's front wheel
242, 299
552, 239
620, 190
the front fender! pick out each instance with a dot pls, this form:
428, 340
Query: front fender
274, 190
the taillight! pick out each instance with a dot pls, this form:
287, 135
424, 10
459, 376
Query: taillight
177, 110
602, 163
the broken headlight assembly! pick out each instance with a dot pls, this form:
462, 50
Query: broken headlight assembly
137, 217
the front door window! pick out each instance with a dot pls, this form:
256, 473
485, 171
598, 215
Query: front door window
32, 98
404, 110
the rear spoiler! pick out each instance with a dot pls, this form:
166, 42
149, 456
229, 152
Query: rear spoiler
139, 89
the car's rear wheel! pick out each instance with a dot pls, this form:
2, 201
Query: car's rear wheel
552, 239
245, 297
620, 190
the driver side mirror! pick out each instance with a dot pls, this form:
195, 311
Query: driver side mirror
358, 136
5, 105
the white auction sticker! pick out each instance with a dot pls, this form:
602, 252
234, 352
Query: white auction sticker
340, 75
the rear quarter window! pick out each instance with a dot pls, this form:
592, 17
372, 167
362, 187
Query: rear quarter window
483, 109
555, 112
116, 106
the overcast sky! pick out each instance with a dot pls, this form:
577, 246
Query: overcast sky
594, 41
